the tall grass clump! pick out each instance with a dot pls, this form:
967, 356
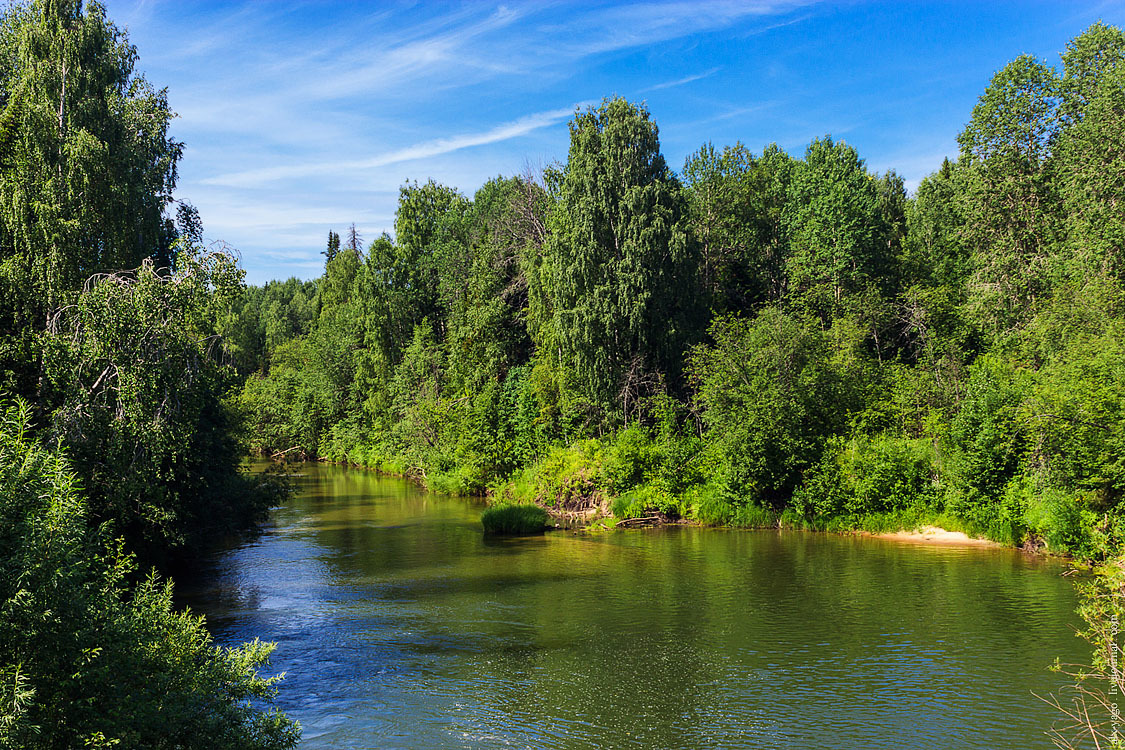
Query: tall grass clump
514, 519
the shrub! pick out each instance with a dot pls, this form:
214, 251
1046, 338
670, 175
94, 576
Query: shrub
866, 476
514, 519
644, 499
824, 491
89, 660
771, 390
986, 440
714, 503
632, 458
889, 474
566, 476
1089, 710
1071, 529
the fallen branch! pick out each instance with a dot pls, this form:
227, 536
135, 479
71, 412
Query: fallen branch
280, 454
651, 520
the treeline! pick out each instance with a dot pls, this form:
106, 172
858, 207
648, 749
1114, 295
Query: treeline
759, 338
118, 449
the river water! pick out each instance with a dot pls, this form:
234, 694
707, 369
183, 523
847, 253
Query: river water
400, 625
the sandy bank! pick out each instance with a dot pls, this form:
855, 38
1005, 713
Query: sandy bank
937, 535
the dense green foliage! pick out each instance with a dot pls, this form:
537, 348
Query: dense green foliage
760, 339
514, 519
88, 660
618, 264
124, 450
87, 168
138, 373
123, 367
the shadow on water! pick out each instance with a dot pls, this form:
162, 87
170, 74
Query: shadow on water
516, 545
495, 583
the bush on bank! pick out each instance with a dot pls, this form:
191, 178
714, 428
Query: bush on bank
514, 519
89, 659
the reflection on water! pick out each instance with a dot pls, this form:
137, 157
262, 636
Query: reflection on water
401, 626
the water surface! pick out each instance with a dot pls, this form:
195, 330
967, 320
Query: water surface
401, 626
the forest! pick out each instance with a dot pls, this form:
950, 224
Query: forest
753, 340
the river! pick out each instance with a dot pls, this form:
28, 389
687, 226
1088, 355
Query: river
400, 625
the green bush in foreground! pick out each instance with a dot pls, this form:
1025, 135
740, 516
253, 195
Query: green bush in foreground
88, 660
1088, 714
514, 519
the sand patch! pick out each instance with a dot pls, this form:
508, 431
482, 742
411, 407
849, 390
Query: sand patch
937, 535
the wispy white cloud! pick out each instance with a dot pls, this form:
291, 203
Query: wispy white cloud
730, 113
248, 72
458, 48
300, 117
682, 81
458, 51
621, 27
427, 149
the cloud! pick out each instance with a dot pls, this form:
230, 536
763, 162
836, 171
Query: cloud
260, 70
682, 81
640, 24
424, 150
300, 117
392, 52
458, 51
728, 113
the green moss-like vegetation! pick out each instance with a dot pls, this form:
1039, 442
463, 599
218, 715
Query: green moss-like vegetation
514, 519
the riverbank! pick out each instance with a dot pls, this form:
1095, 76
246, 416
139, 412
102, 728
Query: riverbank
937, 535
585, 507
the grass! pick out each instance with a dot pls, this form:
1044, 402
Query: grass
563, 474
514, 519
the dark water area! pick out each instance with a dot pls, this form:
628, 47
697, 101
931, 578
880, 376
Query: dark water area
400, 625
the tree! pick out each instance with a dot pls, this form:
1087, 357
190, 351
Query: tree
92, 166
935, 253
619, 265
333, 247
1089, 167
336, 285
836, 228
138, 371
735, 203
719, 194
1008, 201
428, 251
986, 444
771, 393
488, 300
935, 271
87, 171
189, 227
1091, 59
355, 240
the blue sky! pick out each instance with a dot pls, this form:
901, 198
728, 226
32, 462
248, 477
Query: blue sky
303, 117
